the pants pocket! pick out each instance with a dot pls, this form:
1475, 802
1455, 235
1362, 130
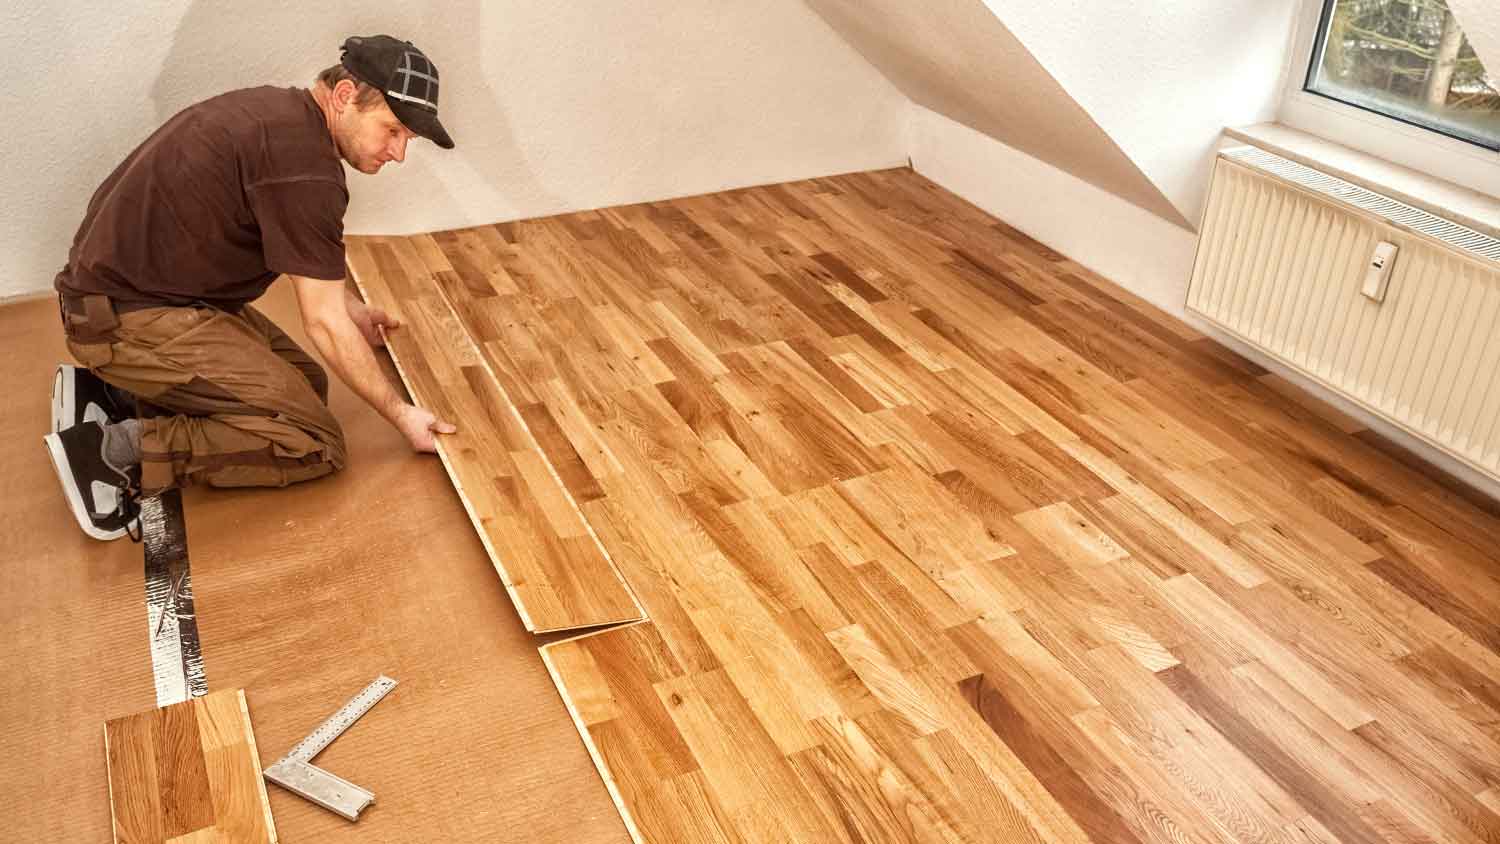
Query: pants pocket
91, 355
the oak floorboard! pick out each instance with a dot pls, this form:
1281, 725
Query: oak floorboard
942, 537
557, 573
187, 772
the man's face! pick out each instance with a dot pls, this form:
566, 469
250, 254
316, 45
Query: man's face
369, 137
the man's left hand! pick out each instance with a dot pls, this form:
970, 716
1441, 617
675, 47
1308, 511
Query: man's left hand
370, 321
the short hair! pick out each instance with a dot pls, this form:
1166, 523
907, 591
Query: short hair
365, 94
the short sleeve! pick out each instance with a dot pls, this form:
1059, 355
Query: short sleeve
301, 226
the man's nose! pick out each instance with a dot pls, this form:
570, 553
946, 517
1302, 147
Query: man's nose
399, 151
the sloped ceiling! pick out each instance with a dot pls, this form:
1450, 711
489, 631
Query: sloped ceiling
958, 59
1480, 20
1163, 78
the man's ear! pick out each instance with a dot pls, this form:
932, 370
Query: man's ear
344, 93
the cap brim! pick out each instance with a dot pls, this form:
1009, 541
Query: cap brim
421, 121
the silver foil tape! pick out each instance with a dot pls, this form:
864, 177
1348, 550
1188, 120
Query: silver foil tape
176, 656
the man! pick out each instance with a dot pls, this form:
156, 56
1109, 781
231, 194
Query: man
184, 381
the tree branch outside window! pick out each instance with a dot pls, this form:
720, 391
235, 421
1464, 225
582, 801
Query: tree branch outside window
1407, 59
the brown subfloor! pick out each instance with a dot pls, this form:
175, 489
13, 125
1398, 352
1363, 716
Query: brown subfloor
303, 595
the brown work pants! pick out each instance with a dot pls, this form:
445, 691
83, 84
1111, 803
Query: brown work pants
224, 398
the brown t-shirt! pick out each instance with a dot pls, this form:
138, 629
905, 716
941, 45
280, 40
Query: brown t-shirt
224, 197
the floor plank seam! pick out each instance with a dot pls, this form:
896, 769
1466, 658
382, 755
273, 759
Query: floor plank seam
495, 557
551, 469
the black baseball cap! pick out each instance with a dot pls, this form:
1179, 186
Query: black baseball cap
404, 75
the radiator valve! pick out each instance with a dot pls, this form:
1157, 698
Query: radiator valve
1378, 273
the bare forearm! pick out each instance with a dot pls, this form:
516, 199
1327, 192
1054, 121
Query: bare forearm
343, 329
344, 348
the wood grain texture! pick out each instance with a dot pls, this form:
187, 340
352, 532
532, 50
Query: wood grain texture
186, 773
944, 538
548, 557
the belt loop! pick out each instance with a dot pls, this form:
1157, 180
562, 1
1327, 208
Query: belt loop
100, 313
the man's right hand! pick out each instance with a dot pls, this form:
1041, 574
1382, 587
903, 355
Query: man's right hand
344, 346
418, 425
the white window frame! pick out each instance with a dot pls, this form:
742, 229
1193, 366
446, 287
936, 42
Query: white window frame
1411, 146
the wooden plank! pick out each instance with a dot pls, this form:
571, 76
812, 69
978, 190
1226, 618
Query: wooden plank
557, 573
189, 772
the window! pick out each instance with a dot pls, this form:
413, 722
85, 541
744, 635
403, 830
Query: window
1409, 60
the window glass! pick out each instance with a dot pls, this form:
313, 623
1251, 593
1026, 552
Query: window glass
1410, 60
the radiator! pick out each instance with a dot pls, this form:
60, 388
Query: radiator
1280, 263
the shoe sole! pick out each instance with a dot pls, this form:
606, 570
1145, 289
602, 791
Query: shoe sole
63, 411
64, 471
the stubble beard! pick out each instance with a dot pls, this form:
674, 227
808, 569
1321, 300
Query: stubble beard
346, 152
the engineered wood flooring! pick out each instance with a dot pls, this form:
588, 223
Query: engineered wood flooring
941, 537
549, 559
188, 772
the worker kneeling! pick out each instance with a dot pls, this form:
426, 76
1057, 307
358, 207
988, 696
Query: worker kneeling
182, 381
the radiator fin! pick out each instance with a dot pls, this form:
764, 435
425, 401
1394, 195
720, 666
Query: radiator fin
1399, 213
1281, 269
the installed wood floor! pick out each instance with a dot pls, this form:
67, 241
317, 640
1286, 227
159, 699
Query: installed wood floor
942, 538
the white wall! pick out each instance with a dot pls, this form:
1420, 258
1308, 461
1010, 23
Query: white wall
958, 59
553, 106
1163, 78
1119, 240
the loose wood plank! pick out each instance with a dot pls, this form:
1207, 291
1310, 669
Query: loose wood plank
187, 772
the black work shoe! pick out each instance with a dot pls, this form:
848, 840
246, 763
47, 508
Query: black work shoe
79, 396
102, 498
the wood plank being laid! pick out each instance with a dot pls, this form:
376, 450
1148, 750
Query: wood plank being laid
187, 772
552, 565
